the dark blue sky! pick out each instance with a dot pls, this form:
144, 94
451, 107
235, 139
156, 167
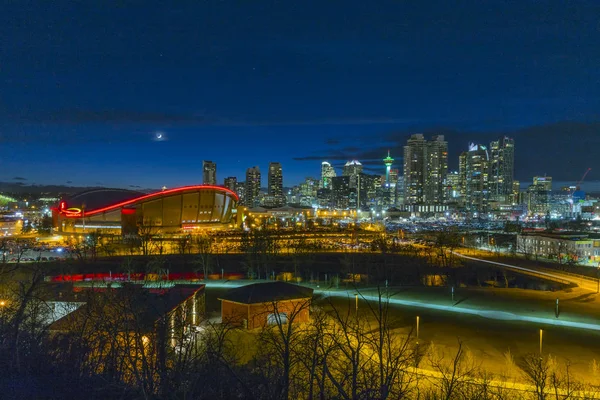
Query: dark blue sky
84, 88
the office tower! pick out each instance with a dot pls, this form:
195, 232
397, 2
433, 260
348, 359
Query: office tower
436, 170
400, 191
453, 185
252, 186
352, 168
275, 189
414, 169
477, 179
516, 191
462, 172
275, 179
327, 172
425, 169
394, 172
543, 182
230, 183
341, 192
240, 189
209, 173
502, 166
388, 161
538, 195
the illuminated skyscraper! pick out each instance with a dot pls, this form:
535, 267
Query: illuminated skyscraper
543, 182
502, 165
230, 183
425, 169
252, 186
352, 168
477, 178
327, 172
276, 183
209, 173
436, 170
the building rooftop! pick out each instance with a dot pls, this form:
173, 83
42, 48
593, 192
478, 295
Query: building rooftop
267, 292
144, 306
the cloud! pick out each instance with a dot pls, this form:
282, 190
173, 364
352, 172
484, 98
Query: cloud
135, 186
332, 141
19, 178
69, 182
127, 117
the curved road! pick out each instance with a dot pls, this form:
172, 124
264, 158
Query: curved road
581, 281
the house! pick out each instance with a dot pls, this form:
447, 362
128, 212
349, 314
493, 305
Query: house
260, 304
162, 314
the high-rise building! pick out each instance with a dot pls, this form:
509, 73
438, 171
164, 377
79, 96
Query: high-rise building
394, 173
502, 166
209, 173
400, 191
275, 189
414, 169
352, 168
327, 172
477, 178
516, 191
252, 186
462, 172
543, 182
341, 193
275, 179
436, 170
230, 183
538, 195
453, 185
425, 169
240, 189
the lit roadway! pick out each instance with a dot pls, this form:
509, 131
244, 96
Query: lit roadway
579, 280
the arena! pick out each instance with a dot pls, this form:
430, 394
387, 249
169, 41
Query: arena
119, 211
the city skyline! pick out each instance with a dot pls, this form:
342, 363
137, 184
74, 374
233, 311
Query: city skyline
144, 102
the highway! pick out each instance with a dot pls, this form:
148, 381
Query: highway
583, 282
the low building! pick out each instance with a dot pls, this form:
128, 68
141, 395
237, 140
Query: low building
563, 247
163, 315
261, 304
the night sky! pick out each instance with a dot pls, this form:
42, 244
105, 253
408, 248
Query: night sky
85, 89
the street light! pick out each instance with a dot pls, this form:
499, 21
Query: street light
417, 329
541, 338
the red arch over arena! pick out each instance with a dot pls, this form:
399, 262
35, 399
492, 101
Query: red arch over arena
88, 213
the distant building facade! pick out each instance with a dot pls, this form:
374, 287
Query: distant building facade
253, 182
502, 166
327, 172
275, 182
209, 173
425, 169
477, 178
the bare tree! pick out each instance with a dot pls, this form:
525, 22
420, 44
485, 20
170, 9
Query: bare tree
455, 374
537, 371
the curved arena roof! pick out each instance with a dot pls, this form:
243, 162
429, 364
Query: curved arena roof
99, 201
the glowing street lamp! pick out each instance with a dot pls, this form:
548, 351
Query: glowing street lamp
417, 329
